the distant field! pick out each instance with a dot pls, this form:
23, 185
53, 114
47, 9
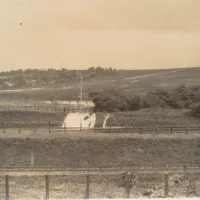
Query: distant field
128, 81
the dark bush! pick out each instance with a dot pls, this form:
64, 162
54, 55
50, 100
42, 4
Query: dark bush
196, 111
177, 98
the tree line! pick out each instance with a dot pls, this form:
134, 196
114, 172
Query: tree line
176, 98
20, 78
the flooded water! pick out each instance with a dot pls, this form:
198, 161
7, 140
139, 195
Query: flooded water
84, 103
75, 120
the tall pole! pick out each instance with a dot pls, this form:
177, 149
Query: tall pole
7, 187
81, 89
81, 98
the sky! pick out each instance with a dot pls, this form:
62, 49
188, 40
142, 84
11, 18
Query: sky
78, 34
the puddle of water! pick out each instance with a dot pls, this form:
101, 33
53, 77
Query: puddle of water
19, 90
75, 120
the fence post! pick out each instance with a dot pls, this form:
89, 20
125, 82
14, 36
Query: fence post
64, 127
7, 187
49, 128
171, 130
87, 192
34, 130
186, 129
47, 186
19, 129
166, 185
128, 192
156, 128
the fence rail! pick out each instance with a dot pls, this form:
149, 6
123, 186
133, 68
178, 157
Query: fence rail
49, 109
57, 128
129, 173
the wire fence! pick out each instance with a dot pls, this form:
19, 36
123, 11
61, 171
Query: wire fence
128, 176
58, 128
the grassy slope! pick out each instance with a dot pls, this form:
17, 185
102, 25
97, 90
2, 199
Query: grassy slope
99, 152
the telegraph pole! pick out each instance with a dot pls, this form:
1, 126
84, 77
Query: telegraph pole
81, 88
81, 98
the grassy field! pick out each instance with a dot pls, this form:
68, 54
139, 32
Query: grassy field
38, 119
149, 117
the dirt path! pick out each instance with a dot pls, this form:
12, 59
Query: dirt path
148, 75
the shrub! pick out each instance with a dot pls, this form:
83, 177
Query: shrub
177, 98
196, 111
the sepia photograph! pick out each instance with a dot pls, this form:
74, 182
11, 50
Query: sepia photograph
99, 99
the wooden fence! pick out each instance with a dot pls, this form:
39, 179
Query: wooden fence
47, 109
55, 128
130, 175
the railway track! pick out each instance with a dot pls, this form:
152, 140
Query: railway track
62, 170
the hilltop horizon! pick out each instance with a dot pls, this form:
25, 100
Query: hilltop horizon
103, 67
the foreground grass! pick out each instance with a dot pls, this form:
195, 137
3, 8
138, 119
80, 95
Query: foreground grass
98, 152
100, 186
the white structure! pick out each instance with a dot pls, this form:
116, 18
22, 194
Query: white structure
80, 119
106, 118
77, 120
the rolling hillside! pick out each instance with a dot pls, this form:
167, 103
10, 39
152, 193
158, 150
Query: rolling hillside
133, 81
